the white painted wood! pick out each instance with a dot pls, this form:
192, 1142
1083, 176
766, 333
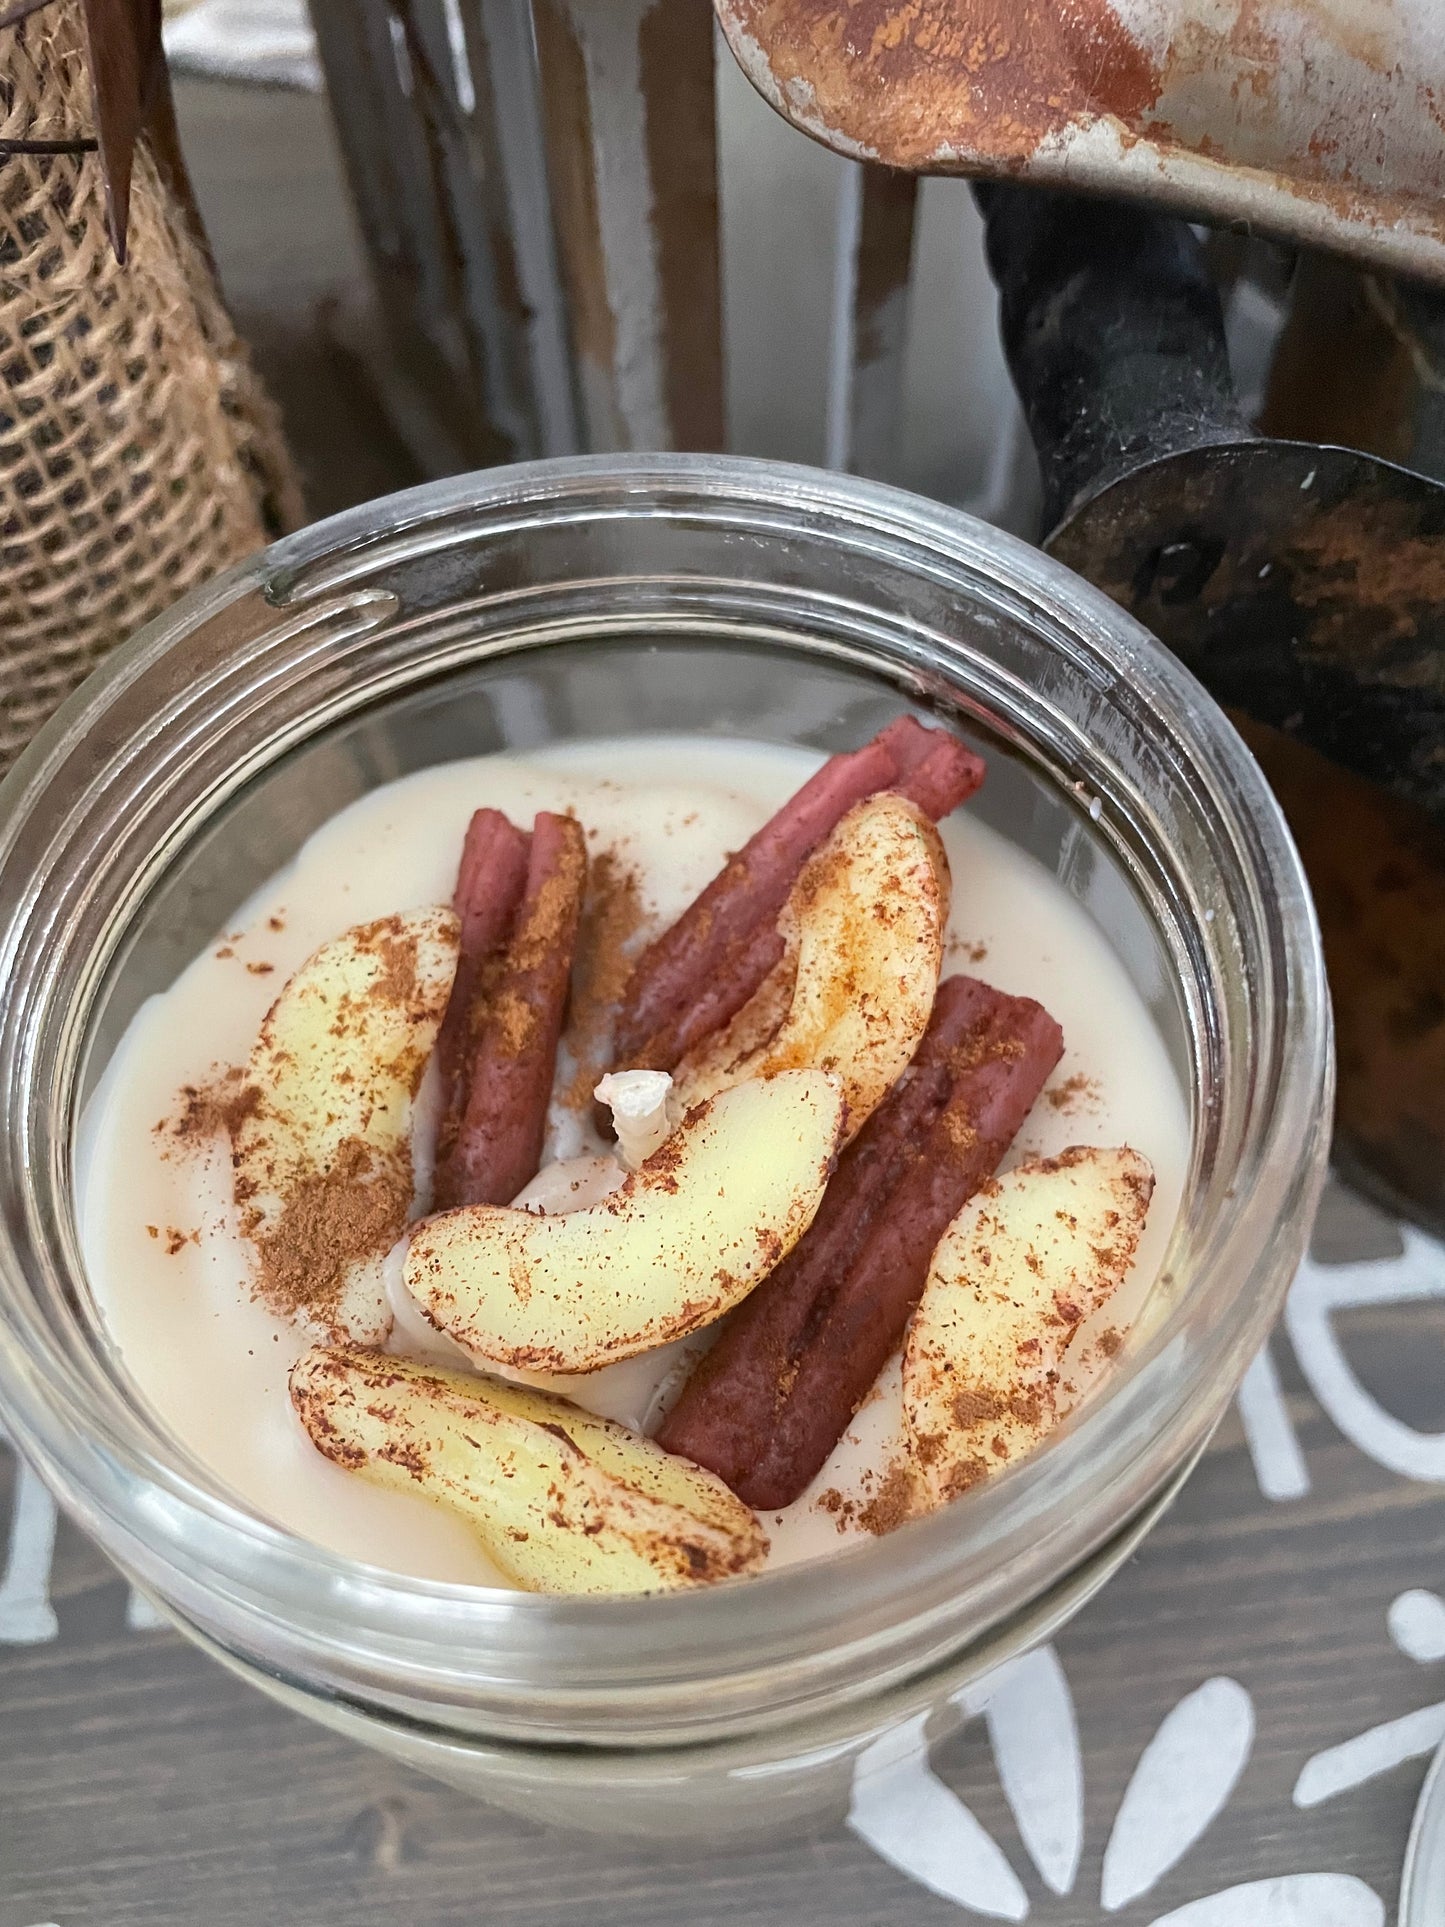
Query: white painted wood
1279, 1464
608, 35
27, 1617
1035, 1738
907, 1815
1184, 1777
506, 26
848, 225
1291, 1900
868, 335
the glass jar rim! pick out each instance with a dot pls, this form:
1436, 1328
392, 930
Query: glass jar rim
755, 1651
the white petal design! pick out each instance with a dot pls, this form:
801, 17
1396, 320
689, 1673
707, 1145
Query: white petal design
141, 1616
1417, 1625
1035, 1739
1317, 1293
1279, 1464
1291, 1900
904, 1812
1184, 1776
1369, 1754
27, 1617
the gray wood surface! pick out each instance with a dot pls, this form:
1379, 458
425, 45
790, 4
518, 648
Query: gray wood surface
139, 1784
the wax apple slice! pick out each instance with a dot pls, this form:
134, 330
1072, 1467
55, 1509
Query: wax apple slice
321, 1143
685, 1236
565, 1502
1013, 1278
863, 932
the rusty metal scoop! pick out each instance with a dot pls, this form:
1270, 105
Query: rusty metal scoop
1304, 585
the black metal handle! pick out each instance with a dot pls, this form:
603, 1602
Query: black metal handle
1114, 335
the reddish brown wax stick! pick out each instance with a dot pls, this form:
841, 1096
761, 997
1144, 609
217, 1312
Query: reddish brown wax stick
909, 743
498, 1144
731, 1396
698, 974
932, 768
768, 1403
490, 880
947, 776
751, 888
738, 974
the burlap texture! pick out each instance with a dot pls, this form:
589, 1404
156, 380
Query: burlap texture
138, 451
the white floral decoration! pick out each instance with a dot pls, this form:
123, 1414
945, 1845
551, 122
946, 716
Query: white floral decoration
1320, 1291
1183, 1780
1416, 1622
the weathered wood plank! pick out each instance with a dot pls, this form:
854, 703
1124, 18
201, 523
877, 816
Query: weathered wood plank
629, 109
436, 111
873, 264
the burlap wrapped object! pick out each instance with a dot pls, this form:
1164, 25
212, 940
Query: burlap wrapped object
139, 454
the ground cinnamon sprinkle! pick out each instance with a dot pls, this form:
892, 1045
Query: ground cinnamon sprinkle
893, 1504
309, 1229
611, 925
843, 1510
1110, 1343
329, 1222
397, 983
976, 1405
962, 1476
514, 1015
206, 1110
1075, 1093
512, 1020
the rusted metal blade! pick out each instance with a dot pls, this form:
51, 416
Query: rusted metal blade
1319, 120
1303, 585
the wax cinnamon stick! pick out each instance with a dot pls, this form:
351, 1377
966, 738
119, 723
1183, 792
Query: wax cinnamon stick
768, 1403
908, 742
698, 974
497, 1144
941, 780
713, 933
490, 881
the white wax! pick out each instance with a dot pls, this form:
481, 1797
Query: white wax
212, 1363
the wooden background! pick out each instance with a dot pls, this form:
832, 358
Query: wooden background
139, 1784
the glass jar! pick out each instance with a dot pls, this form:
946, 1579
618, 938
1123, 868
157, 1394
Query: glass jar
585, 598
